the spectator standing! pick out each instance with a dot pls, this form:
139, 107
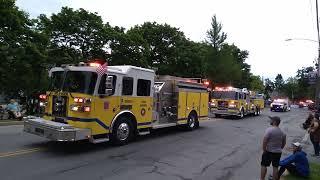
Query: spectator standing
314, 131
274, 141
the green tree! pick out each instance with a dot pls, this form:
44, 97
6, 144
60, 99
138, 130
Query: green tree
215, 36
256, 83
222, 67
129, 48
306, 90
159, 42
225, 63
269, 87
291, 88
76, 35
279, 83
22, 51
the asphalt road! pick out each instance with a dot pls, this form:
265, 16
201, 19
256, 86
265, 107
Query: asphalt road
220, 149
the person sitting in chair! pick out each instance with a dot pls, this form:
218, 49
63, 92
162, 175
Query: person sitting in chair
13, 110
297, 164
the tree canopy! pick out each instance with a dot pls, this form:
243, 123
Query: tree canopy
29, 47
296, 88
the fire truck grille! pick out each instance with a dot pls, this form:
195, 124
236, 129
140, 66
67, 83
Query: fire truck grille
276, 106
223, 104
59, 106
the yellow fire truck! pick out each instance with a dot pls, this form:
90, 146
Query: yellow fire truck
235, 102
116, 105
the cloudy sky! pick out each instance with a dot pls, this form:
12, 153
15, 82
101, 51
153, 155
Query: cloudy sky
259, 26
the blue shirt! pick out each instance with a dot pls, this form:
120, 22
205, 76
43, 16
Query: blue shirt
12, 107
300, 161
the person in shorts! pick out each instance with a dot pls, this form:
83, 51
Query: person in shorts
274, 141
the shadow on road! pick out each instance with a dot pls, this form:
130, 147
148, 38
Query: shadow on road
84, 147
228, 117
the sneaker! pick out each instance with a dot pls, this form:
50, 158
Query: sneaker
270, 177
315, 155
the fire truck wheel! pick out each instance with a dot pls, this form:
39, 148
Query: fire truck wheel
192, 122
241, 114
256, 113
122, 132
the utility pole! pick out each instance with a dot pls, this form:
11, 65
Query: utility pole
318, 70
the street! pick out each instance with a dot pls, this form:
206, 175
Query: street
220, 149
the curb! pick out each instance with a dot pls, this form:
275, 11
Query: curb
9, 123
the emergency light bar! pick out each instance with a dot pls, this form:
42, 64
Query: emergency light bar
230, 88
92, 63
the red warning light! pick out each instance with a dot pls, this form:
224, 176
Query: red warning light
43, 96
206, 82
94, 64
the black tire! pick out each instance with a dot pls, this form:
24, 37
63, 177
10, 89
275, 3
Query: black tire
241, 116
256, 112
123, 131
192, 122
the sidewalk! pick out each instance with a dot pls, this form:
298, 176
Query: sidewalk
8, 122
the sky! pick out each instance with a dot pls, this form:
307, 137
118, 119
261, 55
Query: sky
258, 26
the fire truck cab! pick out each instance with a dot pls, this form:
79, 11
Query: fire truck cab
233, 101
116, 105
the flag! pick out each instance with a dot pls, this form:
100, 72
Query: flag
101, 70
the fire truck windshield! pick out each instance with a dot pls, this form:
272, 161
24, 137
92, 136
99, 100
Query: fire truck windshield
224, 95
80, 82
56, 80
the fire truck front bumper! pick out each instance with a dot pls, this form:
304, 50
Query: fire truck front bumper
231, 112
54, 130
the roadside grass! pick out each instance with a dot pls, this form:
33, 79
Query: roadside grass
314, 173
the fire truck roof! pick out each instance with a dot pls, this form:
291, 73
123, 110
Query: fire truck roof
124, 69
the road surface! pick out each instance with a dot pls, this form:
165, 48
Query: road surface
220, 149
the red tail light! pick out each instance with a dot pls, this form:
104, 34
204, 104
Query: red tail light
43, 96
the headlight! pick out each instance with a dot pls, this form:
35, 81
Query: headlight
213, 104
75, 108
43, 104
232, 105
